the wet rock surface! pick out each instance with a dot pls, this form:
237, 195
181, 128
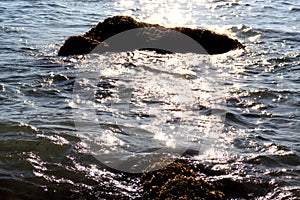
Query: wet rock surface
212, 42
183, 180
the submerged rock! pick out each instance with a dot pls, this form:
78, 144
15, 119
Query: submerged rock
212, 42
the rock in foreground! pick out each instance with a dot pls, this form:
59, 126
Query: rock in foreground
212, 42
181, 180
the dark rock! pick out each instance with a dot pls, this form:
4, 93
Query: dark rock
76, 45
212, 42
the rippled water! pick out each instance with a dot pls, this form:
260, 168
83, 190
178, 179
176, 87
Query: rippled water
43, 153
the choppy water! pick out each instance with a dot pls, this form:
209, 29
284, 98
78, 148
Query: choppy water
43, 153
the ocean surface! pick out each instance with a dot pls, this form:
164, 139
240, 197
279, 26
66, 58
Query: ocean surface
67, 135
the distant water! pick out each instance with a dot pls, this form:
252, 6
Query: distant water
42, 153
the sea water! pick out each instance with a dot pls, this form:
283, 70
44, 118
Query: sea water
236, 112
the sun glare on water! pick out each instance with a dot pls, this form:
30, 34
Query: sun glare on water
168, 12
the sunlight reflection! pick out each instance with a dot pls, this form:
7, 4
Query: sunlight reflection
163, 102
109, 138
167, 12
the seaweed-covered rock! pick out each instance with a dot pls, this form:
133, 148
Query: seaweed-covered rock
178, 181
183, 180
212, 42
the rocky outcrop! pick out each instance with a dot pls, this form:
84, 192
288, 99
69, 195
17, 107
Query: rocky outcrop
212, 42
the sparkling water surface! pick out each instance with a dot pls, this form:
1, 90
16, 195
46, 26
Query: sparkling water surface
238, 111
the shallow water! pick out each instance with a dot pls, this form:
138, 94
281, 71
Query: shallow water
242, 117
